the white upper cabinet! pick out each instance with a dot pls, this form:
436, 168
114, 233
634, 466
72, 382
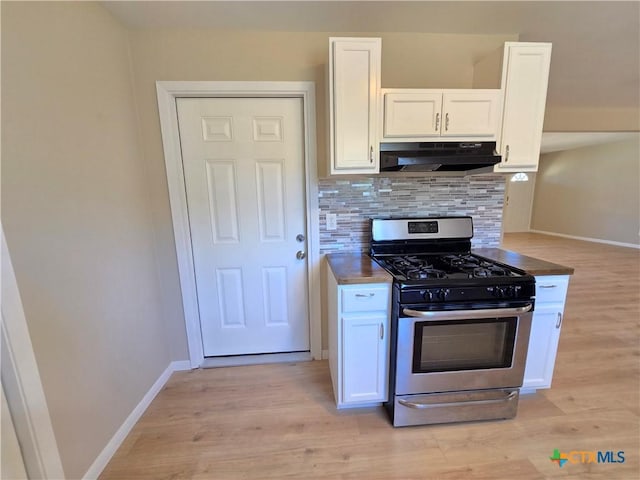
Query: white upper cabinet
525, 74
411, 113
470, 113
421, 114
354, 91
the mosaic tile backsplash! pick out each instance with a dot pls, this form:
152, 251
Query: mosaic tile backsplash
356, 200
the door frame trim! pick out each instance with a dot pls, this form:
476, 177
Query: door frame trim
167, 93
21, 382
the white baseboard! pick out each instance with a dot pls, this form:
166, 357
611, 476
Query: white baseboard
587, 239
103, 459
180, 366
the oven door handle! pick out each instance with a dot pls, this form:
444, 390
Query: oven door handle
421, 406
466, 314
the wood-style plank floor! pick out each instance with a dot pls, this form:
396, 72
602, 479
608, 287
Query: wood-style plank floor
280, 422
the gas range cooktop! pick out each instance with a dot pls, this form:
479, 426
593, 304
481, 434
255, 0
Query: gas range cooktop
433, 255
448, 266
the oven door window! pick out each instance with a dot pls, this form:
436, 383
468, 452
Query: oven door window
451, 345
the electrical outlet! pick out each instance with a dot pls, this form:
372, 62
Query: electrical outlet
331, 220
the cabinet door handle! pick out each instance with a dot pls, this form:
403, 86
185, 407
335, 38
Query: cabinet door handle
371, 154
446, 122
506, 153
548, 286
559, 321
437, 121
364, 295
381, 331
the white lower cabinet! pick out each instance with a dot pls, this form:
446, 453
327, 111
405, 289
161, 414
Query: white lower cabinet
364, 353
551, 292
358, 342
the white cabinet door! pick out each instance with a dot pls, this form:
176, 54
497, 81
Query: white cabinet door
543, 346
354, 87
524, 82
551, 293
364, 359
412, 114
470, 113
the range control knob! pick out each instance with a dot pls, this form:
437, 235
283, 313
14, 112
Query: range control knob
429, 296
499, 292
443, 293
506, 292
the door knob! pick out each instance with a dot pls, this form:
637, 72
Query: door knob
300, 237
300, 255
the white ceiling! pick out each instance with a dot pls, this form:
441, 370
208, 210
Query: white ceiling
596, 44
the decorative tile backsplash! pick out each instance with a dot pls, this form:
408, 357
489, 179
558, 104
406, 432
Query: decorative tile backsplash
356, 200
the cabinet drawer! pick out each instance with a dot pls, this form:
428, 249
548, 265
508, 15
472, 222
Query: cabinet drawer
365, 299
551, 288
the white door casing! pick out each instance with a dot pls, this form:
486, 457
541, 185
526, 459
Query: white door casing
11, 462
244, 177
167, 93
21, 382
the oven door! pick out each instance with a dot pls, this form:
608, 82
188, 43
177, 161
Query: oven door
453, 350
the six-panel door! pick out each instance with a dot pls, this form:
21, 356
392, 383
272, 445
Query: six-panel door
244, 176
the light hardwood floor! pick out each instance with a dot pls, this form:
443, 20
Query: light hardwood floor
280, 421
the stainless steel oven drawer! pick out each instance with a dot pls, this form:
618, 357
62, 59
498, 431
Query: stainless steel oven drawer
464, 406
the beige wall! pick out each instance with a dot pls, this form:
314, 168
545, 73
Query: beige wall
76, 213
566, 119
591, 192
408, 60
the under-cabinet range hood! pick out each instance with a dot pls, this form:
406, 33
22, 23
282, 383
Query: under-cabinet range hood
437, 156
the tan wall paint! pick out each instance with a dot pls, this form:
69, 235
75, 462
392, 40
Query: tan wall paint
408, 60
75, 208
590, 192
565, 119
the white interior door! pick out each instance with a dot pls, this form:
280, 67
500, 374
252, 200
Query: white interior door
244, 175
518, 200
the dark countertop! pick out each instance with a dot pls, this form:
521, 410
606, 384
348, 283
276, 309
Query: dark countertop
530, 265
353, 268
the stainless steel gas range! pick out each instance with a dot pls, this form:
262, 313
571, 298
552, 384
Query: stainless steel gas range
460, 323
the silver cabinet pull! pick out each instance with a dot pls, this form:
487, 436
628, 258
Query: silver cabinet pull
446, 122
559, 321
506, 153
301, 255
364, 295
548, 286
437, 121
381, 331
371, 154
